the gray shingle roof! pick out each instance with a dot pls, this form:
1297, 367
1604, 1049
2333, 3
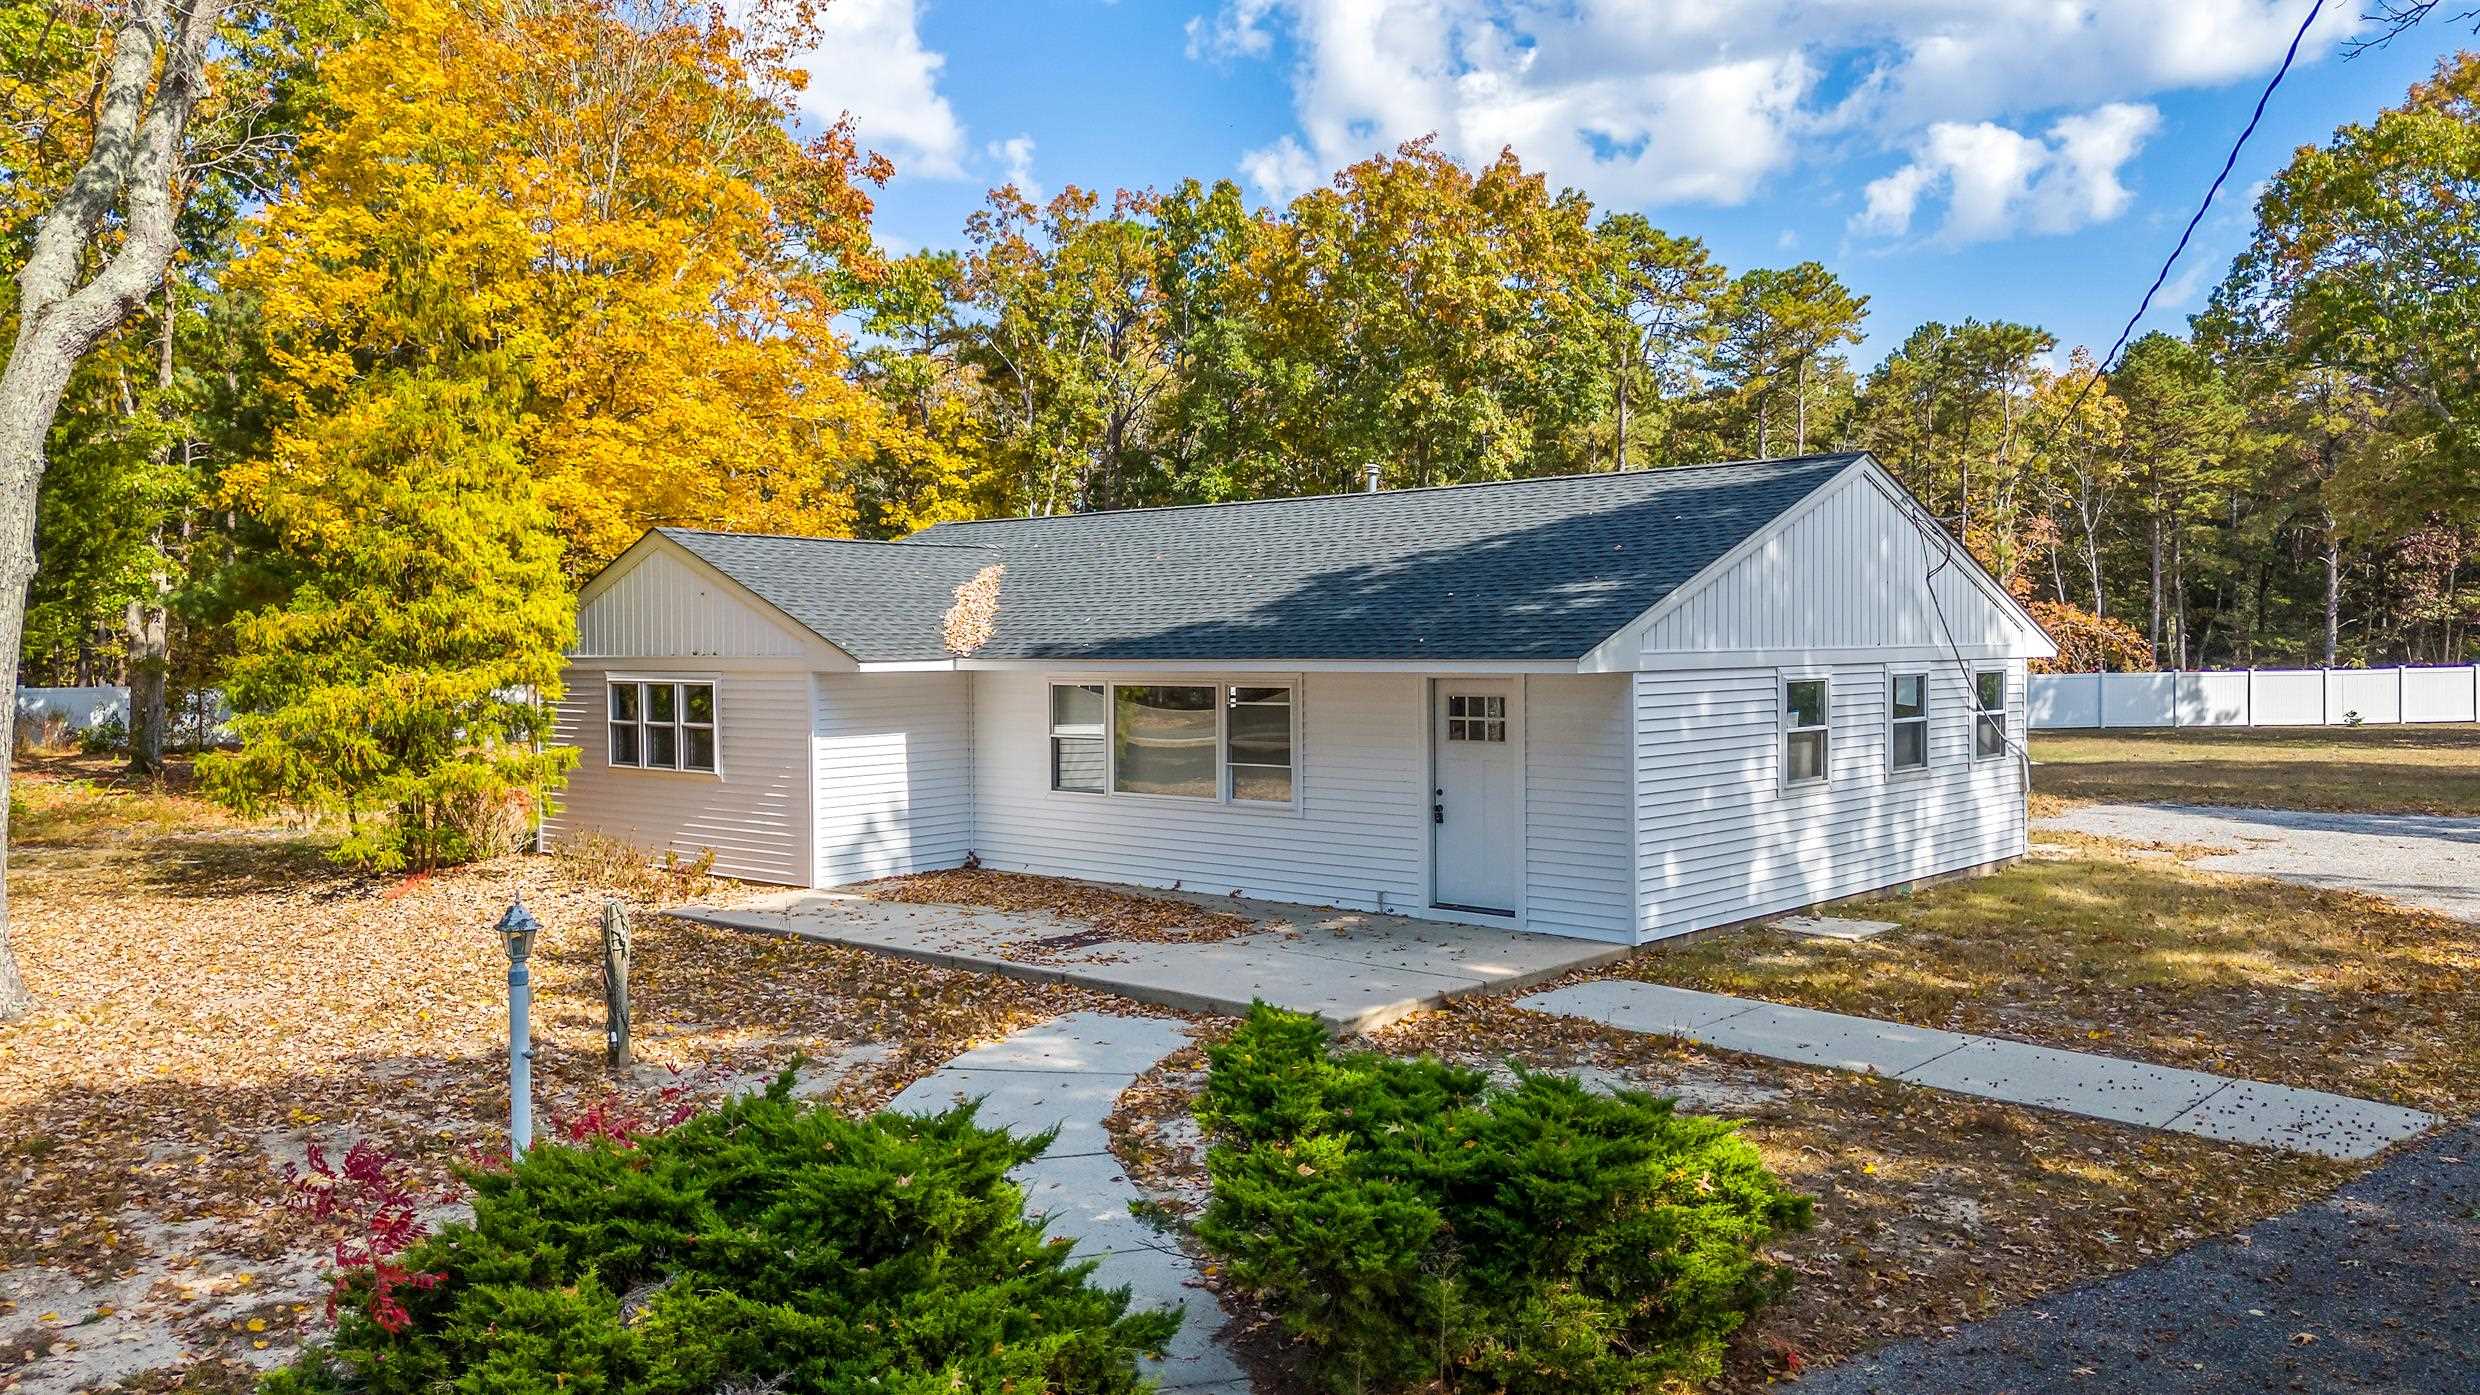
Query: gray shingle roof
1539, 569
876, 601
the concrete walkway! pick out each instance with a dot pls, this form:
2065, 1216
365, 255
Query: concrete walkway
1067, 1074
2102, 1087
2417, 859
2374, 1289
1357, 971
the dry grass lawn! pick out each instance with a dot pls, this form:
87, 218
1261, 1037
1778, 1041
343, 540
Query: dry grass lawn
2126, 951
2381, 770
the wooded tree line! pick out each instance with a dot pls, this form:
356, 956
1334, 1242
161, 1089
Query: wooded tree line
465, 294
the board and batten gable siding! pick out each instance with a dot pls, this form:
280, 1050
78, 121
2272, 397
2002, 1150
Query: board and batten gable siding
894, 760
1720, 839
1359, 837
1578, 806
753, 813
665, 605
1846, 572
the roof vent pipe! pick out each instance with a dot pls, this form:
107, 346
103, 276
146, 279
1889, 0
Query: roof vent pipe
1373, 476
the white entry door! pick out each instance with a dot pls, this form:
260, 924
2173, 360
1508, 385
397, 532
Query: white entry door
1477, 841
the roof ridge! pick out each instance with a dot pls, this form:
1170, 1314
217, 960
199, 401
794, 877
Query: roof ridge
909, 538
671, 530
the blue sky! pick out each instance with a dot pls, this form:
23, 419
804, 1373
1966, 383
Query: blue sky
2020, 159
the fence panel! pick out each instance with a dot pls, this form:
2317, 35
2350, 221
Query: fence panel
80, 707
2258, 698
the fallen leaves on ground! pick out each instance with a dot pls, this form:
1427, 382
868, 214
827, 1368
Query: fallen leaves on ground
213, 994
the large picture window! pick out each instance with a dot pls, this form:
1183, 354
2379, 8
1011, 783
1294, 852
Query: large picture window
662, 726
1989, 724
1805, 731
1163, 739
1233, 743
1908, 740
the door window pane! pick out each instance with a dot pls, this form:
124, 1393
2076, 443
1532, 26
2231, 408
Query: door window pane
1164, 739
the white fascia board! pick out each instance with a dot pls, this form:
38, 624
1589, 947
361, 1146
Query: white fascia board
821, 654
1067, 664
1622, 652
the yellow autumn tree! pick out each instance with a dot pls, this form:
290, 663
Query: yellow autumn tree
604, 199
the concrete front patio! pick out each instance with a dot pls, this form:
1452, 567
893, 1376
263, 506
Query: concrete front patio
1357, 971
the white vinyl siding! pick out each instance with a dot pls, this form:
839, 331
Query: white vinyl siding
1719, 840
665, 606
1846, 573
1358, 835
1577, 880
893, 761
754, 815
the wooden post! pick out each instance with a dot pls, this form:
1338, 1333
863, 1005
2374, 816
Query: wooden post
616, 986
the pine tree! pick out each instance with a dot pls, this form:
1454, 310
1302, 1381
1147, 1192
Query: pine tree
408, 684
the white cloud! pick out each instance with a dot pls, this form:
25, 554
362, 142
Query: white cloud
870, 62
1015, 156
1706, 100
1999, 182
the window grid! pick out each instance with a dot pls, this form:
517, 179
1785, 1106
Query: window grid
1476, 717
662, 726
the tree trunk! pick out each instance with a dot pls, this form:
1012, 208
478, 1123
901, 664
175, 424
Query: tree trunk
149, 630
1620, 454
141, 120
1801, 445
2333, 591
2152, 632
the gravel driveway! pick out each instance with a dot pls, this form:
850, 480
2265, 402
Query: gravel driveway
2374, 1289
2418, 859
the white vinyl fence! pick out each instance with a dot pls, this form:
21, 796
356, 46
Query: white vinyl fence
197, 719
2261, 697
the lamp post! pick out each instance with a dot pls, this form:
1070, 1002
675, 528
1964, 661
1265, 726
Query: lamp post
516, 931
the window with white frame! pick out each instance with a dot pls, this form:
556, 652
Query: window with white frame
1804, 731
1257, 745
662, 726
1989, 724
1234, 743
1080, 733
1908, 740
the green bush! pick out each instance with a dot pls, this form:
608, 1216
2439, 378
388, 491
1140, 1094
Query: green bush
1409, 1223
768, 1245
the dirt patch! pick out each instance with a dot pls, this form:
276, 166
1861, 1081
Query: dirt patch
1113, 914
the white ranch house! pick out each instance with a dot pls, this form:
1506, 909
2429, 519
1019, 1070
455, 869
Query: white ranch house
1617, 707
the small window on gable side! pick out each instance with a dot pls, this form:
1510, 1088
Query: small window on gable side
1908, 734
1806, 729
1989, 724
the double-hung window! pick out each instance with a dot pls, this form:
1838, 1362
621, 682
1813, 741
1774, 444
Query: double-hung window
1908, 734
1989, 724
1227, 743
1804, 731
1257, 745
1080, 759
662, 726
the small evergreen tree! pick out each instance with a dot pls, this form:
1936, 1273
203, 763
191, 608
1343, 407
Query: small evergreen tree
407, 684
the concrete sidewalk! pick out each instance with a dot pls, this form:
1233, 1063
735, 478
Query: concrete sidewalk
1067, 1075
1358, 971
2101, 1087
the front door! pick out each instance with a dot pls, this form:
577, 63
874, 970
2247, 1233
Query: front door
1477, 838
